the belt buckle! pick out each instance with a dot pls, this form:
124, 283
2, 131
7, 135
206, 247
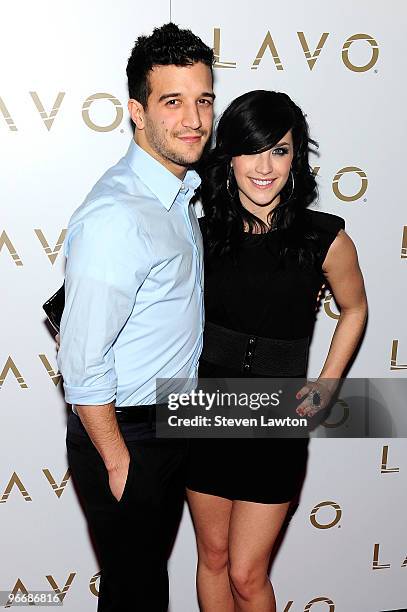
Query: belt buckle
249, 353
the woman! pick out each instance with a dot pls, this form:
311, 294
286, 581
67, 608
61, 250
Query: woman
267, 256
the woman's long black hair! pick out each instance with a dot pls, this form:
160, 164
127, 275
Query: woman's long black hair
253, 123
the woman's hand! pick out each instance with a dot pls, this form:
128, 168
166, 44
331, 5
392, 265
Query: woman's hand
317, 395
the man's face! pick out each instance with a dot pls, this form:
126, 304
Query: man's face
177, 122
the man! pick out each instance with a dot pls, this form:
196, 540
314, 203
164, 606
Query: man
134, 313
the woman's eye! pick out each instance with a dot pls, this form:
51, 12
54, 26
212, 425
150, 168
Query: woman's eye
280, 151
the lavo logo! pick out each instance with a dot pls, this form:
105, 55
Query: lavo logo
328, 307
16, 482
326, 504
61, 593
48, 117
393, 359
384, 468
20, 587
51, 253
347, 170
10, 367
310, 604
268, 44
342, 418
404, 243
376, 565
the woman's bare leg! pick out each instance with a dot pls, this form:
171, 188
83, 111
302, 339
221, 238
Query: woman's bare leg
253, 530
211, 516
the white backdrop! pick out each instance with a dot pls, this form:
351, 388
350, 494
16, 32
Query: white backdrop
63, 121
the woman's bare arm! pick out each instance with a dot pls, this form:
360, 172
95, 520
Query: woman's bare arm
342, 271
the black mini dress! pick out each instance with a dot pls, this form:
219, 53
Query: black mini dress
254, 293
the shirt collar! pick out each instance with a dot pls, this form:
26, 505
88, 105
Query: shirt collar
165, 185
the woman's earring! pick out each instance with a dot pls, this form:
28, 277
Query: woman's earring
292, 186
228, 181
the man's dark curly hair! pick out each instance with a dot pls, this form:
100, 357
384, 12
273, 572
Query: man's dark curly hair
167, 45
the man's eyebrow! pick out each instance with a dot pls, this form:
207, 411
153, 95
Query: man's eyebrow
177, 94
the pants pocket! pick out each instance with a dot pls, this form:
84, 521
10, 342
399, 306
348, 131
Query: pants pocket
127, 485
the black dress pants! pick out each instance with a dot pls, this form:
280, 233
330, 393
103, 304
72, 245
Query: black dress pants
133, 536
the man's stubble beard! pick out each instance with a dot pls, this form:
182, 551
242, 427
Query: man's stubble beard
160, 145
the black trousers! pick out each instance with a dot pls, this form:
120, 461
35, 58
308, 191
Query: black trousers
134, 536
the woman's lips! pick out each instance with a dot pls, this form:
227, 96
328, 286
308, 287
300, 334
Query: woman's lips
262, 183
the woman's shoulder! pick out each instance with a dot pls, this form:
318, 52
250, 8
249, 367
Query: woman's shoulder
326, 226
324, 222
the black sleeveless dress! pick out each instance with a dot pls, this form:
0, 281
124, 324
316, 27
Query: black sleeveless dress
253, 294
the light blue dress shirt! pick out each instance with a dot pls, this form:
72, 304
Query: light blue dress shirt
134, 285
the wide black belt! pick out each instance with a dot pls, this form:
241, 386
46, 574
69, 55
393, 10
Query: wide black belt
254, 355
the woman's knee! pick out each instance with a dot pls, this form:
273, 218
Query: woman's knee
247, 581
213, 554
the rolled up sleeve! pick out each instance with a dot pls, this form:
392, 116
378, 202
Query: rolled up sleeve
108, 259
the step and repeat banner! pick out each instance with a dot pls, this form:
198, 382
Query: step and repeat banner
63, 121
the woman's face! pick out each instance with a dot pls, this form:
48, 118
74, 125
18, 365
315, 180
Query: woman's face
260, 177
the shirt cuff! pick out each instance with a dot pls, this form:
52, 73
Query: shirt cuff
89, 396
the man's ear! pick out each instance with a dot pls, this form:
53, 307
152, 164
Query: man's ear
136, 112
